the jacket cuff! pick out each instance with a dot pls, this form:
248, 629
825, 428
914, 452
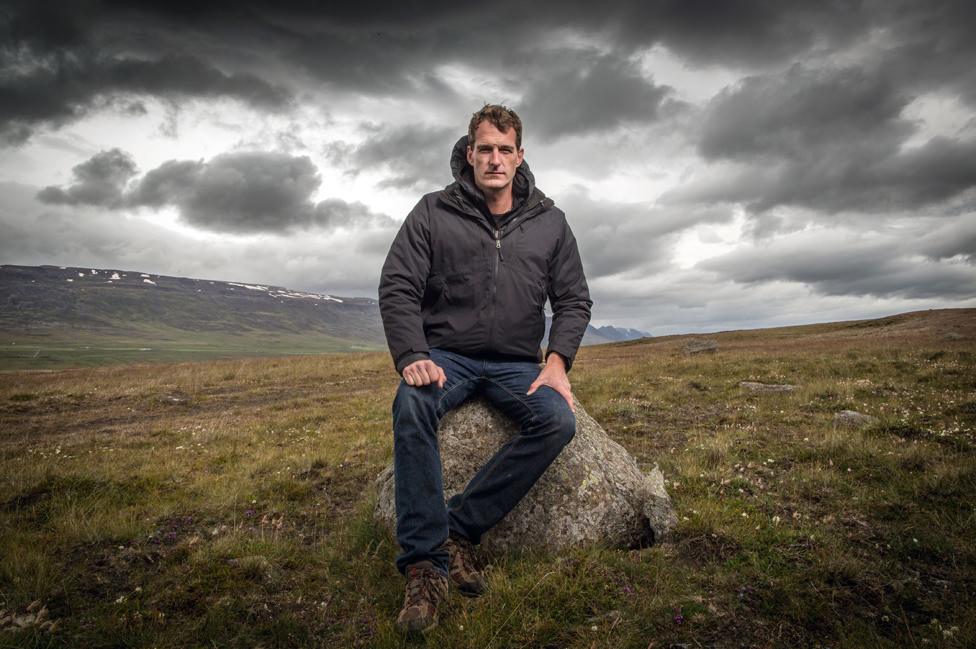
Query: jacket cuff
406, 359
567, 359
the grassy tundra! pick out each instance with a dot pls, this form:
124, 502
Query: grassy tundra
227, 503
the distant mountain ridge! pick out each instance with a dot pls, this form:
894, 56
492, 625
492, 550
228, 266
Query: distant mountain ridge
621, 333
111, 301
62, 303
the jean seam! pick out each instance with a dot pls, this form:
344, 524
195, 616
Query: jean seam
440, 401
532, 415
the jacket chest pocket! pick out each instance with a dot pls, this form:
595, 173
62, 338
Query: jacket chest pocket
459, 289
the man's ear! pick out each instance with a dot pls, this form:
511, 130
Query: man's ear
470, 156
521, 156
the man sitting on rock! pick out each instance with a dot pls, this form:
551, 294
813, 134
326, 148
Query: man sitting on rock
461, 296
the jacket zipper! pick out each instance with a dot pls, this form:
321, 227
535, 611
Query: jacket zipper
499, 234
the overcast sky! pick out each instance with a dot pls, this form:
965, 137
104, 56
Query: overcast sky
723, 165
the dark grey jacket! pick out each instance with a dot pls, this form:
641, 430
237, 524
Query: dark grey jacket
457, 280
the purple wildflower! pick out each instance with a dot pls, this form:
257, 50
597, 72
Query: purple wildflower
678, 617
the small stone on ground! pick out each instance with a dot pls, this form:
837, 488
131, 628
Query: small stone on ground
853, 419
753, 386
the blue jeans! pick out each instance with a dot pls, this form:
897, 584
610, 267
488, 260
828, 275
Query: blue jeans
546, 424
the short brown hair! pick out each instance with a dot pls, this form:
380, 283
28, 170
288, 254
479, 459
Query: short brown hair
501, 117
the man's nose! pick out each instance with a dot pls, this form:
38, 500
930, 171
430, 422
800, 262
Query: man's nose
496, 157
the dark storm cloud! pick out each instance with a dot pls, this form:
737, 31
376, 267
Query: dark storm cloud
872, 266
55, 67
805, 113
413, 156
932, 46
926, 176
62, 61
248, 192
955, 239
57, 90
582, 92
240, 192
740, 31
829, 139
100, 180
743, 32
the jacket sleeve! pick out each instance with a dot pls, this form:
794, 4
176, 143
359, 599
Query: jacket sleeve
569, 297
402, 283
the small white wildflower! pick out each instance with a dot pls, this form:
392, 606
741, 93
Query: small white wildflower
776, 520
593, 628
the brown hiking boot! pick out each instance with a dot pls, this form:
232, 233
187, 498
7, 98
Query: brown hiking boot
463, 572
426, 588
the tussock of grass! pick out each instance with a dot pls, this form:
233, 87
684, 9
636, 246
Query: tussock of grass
229, 503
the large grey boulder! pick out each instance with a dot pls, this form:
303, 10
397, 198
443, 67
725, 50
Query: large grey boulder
593, 492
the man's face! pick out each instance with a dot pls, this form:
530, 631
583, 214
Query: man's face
494, 157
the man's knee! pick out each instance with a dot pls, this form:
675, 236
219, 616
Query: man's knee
566, 421
561, 422
414, 405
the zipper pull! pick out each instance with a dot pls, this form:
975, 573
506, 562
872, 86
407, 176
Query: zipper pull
498, 241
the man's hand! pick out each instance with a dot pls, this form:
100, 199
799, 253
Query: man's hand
424, 372
554, 375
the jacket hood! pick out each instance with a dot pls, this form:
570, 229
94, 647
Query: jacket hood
523, 185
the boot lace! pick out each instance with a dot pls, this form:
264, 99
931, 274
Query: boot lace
420, 587
463, 556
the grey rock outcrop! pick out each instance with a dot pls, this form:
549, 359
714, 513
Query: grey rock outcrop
697, 346
853, 419
753, 386
593, 492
